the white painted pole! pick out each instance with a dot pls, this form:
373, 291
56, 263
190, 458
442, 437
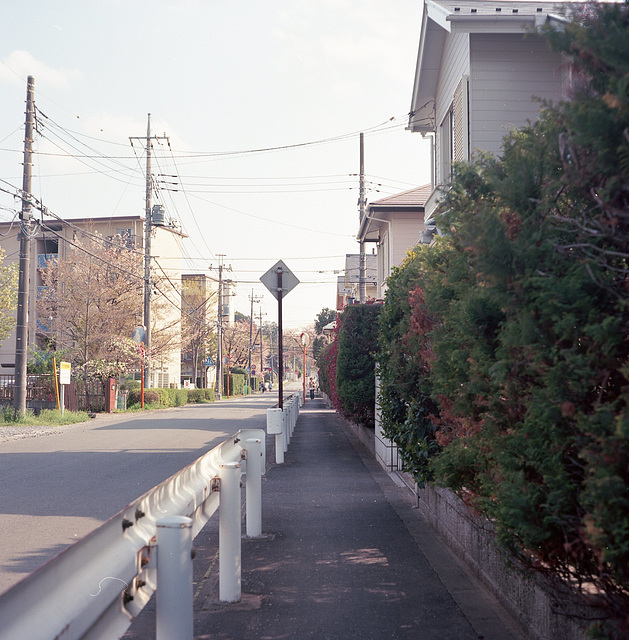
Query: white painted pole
279, 449
174, 579
253, 487
285, 430
229, 542
275, 426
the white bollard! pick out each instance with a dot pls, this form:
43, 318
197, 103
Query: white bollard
285, 430
274, 418
229, 542
174, 579
253, 487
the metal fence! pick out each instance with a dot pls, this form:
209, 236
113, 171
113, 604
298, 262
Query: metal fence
95, 588
40, 393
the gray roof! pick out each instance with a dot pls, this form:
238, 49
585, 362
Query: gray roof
415, 198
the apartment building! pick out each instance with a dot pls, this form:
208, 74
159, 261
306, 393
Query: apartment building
57, 239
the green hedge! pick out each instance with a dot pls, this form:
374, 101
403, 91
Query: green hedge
504, 348
200, 395
236, 384
170, 397
355, 362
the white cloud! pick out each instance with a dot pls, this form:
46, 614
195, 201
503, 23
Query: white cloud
20, 64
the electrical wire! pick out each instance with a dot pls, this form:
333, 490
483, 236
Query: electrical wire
282, 224
91, 254
196, 222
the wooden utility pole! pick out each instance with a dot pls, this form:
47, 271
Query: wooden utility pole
21, 335
362, 278
148, 228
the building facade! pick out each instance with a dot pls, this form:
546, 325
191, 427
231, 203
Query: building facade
200, 317
394, 224
58, 239
348, 285
482, 70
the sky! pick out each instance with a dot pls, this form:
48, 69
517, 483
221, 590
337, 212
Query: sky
262, 104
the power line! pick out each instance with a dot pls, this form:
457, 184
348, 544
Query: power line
283, 224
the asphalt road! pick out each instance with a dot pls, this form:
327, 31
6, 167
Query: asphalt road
59, 485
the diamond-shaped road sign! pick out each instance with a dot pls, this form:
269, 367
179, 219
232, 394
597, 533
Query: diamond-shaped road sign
271, 279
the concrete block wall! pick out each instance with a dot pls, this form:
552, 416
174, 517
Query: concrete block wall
527, 598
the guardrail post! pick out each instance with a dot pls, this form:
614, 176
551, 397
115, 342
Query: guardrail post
253, 487
274, 426
174, 579
229, 542
285, 437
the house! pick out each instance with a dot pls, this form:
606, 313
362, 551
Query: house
395, 224
55, 240
348, 285
482, 69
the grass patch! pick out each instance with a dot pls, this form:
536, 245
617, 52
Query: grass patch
47, 418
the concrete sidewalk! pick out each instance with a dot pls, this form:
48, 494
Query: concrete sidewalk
344, 555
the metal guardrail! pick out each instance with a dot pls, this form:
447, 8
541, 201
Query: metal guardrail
281, 423
94, 588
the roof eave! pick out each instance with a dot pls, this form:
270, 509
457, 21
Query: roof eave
499, 23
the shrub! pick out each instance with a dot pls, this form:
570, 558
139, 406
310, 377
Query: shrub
356, 363
236, 384
512, 338
197, 395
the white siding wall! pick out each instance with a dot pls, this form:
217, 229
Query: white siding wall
454, 64
506, 71
406, 230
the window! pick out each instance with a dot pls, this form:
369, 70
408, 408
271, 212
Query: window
453, 143
446, 146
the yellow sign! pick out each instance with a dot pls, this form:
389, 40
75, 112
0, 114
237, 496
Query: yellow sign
65, 369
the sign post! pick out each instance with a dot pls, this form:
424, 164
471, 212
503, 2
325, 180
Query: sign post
280, 280
65, 372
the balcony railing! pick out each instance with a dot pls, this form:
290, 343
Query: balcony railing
44, 259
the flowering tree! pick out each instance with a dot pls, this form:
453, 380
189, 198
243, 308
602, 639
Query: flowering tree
8, 296
90, 301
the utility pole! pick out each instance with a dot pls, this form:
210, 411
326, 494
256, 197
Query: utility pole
148, 228
21, 335
219, 348
261, 349
362, 278
253, 299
